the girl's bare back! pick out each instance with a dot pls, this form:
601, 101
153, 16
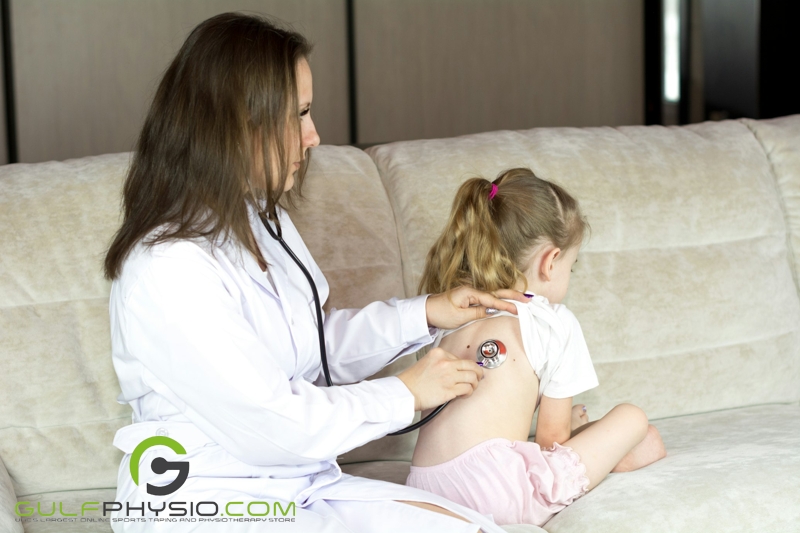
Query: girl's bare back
501, 406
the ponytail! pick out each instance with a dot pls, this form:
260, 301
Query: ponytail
494, 229
469, 251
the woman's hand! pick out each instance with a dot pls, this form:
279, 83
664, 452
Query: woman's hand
464, 304
440, 376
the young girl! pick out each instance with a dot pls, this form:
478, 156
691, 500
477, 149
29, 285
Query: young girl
521, 232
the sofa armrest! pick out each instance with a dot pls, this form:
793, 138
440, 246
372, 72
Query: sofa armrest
8, 502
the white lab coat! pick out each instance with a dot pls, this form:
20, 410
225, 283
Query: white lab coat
224, 358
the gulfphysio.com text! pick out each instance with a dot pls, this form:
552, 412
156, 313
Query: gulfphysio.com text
207, 511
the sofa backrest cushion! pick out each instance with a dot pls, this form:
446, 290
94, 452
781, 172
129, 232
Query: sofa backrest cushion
58, 389
58, 411
780, 139
684, 291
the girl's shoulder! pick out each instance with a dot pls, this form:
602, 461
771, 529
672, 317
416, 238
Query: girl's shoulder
557, 316
556, 347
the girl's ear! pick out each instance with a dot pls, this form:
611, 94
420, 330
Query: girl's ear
548, 262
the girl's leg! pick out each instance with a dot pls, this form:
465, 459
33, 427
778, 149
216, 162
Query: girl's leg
650, 450
603, 444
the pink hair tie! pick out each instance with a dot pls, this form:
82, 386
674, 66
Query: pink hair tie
494, 191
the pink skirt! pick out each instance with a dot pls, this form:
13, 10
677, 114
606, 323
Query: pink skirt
516, 482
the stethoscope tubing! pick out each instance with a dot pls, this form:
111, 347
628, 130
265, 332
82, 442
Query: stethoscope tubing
321, 330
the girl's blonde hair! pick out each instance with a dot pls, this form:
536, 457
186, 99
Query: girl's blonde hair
487, 243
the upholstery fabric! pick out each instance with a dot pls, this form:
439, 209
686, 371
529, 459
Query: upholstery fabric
681, 290
780, 139
7, 502
58, 411
346, 221
734, 471
522, 528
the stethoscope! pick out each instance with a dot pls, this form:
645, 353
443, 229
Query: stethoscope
491, 353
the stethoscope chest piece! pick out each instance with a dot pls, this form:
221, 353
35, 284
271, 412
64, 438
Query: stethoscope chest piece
491, 354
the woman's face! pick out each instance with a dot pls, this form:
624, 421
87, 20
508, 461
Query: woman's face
308, 133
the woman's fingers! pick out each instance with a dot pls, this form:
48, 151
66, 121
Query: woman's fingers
468, 378
466, 304
463, 390
511, 294
441, 376
471, 378
470, 367
466, 297
465, 370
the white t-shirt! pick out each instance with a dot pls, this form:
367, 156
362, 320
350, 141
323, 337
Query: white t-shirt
554, 345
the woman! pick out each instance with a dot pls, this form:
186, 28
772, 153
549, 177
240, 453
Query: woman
214, 336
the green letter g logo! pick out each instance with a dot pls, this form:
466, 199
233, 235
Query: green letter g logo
160, 465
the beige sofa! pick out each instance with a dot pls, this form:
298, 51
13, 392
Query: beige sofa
687, 293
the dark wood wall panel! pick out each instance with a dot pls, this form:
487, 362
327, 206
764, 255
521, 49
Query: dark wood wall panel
86, 71
450, 67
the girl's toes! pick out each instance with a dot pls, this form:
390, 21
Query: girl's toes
579, 416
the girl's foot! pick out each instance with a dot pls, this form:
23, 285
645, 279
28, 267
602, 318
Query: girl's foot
579, 416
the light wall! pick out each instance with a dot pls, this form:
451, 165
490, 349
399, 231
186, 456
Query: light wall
85, 71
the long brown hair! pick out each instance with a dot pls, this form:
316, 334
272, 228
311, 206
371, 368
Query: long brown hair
232, 84
488, 243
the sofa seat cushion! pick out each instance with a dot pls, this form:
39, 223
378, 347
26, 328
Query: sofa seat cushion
732, 470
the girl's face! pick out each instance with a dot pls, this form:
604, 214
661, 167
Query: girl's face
549, 272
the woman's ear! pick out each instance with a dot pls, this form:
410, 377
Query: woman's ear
548, 262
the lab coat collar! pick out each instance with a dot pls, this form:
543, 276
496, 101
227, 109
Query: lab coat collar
239, 254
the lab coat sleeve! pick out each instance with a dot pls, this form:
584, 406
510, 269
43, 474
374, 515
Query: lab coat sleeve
360, 342
186, 329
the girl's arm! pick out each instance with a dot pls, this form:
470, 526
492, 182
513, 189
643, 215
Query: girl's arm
555, 421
